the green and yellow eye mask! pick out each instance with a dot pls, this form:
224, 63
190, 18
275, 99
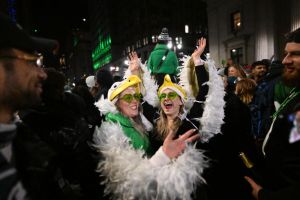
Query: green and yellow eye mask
168, 84
170, 95
118, 87
129, 97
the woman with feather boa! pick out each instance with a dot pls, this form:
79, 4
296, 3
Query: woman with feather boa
174, 171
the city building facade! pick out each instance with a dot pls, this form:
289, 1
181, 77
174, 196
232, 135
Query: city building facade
250, 30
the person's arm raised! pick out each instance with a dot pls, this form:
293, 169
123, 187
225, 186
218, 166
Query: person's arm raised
198, 52
134, 63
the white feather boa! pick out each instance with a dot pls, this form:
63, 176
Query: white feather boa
213, 114
105, 106
130, 175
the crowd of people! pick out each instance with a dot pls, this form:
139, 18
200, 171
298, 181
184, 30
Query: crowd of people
164, 131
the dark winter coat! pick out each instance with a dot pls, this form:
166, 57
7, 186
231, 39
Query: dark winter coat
10, 183
282, 159
53, 152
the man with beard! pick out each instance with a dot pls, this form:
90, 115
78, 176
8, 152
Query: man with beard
281, 148
259, 70
21, 79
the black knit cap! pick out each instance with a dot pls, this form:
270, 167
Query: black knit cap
164, 36
13, 36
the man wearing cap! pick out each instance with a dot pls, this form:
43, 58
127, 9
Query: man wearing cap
162, 60
21, 79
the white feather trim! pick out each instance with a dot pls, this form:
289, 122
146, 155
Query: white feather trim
213, 114
105, 106
150, 86
129, 175
146, 123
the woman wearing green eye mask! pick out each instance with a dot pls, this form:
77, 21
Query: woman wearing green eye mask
130, 169
124, 139
181, 106
176, 114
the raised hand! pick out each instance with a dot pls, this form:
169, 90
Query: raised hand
134, 62
173, 148
197, 53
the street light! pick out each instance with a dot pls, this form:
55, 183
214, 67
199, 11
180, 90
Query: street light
186, 28
114, 68
177, 44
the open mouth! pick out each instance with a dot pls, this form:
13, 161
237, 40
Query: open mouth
134, 107
168, 105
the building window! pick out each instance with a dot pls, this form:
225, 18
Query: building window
137, 44
145, 41
236, 21
236, 55
186, 28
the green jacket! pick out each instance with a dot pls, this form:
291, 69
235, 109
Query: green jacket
169, 65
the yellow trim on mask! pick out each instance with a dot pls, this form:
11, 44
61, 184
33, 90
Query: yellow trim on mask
169, 84
130, 81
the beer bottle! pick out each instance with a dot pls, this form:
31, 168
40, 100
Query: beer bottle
250, 166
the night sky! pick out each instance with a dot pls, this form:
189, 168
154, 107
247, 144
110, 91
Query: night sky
57, 18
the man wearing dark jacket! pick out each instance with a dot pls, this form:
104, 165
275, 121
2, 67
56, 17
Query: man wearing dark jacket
281, 146
20, 86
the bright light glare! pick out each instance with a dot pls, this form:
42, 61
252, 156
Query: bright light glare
186, 28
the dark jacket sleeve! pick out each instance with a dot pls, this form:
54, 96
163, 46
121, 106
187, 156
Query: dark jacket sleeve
150, 112
202, 77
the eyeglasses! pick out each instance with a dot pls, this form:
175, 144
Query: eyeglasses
171, 95
129, 97
34, 60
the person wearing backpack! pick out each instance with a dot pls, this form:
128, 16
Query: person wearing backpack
162, 60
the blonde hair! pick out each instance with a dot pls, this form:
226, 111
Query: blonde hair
240, 71
138, 125
136, 122
245, 90
162, 128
